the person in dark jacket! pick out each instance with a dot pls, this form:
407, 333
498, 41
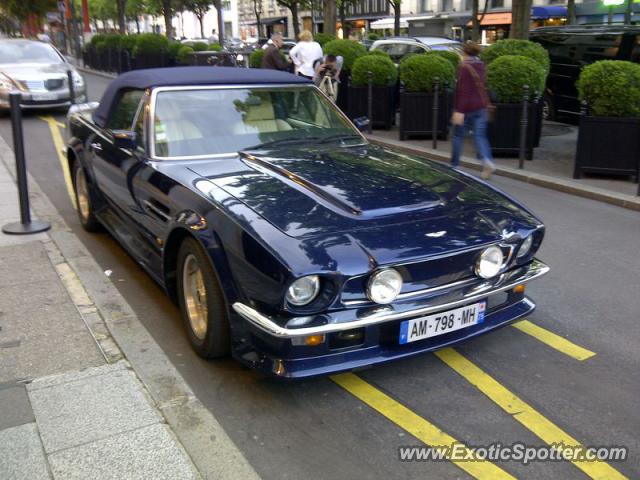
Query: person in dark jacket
470, 109
272, 58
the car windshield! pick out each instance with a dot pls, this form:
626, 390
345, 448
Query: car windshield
214, 121
27, 52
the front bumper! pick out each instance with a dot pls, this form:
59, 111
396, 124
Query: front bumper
43, 100
271, 349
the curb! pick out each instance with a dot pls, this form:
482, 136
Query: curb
119, 333
97, 73
545, 181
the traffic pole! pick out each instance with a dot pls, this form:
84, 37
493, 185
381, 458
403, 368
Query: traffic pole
370, 100
434, 118
524, 124
26, 224
72, 90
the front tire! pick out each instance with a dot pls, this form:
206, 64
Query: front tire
202, 303
84, 206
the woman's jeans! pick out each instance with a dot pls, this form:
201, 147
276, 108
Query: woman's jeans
476, 121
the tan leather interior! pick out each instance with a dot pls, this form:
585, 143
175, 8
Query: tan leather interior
260, 117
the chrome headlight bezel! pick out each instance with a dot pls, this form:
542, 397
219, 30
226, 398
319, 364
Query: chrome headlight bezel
525, 247
490, 262
310, 283
388, 278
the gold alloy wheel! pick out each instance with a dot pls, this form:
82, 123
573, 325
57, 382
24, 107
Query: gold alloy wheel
82, 195
195, 296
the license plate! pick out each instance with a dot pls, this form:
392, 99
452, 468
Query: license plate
41, 97
441, 323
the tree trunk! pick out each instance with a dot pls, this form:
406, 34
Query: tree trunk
521, 19
476, 19
294, 19
257, 11
137, 25
343, 20
396, 19
571, 12
166, 12
219, 7
329, 17
122, 24
201, 20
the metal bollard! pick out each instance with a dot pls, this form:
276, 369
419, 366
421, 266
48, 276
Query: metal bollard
524, 123
370, 101
434, 118
584, 111
72, 90
26, 225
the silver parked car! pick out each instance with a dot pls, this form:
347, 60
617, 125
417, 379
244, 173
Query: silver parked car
39, 72
398, 47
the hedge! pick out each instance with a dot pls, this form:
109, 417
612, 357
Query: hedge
373, 36
378, 52
383, 70
255, 59
611, 88
348, 49
198, 46
174, 48
150, 44
128, 42
184, 54
526, 48
448, 55
214, 47
323, 38
507, 75
418, 72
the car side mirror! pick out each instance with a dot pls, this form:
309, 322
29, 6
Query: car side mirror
124, 139
361, 123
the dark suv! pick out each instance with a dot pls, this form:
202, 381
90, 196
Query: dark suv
571, 48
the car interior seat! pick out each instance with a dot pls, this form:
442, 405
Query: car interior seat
259, 117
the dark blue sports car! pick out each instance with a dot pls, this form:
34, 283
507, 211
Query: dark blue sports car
286, 238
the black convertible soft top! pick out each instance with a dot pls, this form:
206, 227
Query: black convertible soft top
186, 76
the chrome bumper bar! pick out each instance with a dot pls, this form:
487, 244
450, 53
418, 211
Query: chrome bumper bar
506, 281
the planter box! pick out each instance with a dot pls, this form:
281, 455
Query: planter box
383, 108
608, 145
342, 102
416, 114
504, 131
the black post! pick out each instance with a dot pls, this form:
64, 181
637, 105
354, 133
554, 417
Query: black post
26, 225
524, 123
72, 90
370, 101
584, 111
434, 118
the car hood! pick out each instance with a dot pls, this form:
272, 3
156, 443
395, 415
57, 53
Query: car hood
367, 189
22, 71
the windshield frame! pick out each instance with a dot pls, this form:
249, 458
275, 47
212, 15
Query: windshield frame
152, 111
11, 41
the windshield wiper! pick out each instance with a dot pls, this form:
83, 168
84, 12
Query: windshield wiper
282, 141
340, 136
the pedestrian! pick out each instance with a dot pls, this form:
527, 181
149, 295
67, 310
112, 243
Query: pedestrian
305, 53
272, 57
213, 38
471, 109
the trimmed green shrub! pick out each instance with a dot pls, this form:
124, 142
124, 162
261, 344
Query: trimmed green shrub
150, 44
406, 56
383, 70
255, 59
184, 54
418, 72
348, 49
128, 42
611, 88
452, 57
174, 48
378, 52
526, 48
214, 47
373, 36
323, 38
198, 46
507, 75
111, 40
97, 38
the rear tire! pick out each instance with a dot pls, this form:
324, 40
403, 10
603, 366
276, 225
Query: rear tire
202, 303
84, 205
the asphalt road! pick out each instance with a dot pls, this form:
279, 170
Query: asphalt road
506, 387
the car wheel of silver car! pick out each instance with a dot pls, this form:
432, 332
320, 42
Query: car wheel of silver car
202, 303
83, 199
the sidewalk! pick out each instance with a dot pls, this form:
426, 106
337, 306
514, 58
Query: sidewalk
551, 167
85, 392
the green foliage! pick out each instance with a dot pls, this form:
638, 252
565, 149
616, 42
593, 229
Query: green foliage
97, 39
150, 44
112, 40
214, 47
526, 48
184, 54
255, 59
323, 38
418, 72
378, 52
198, 46
452, 57
128, 42
174, 48
348, 49
383, 70
508, 74
373, 36
611, 88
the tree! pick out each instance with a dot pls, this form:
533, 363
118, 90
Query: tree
257, 9
395, 5
199, 8
134, 9
294, 6
521, 13
219, 4
25, 9
343, 6
476, 19
571, 12
166, 9
329, 17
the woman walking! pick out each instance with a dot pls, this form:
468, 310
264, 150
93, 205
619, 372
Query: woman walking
470, 110
304, 54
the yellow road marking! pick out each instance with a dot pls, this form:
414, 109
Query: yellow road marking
414, 424
523, 412
58, 144
554, 341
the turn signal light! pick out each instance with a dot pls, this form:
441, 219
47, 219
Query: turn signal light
518, 289
313, 340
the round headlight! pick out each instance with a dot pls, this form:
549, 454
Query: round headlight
384, 286
490, 262
525, 247
303, 290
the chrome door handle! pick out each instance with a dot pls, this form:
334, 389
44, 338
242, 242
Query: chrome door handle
96, 146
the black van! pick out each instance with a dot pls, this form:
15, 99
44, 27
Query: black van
572, 47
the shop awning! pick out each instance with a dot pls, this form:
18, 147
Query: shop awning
387, 23
498, 18
545, 13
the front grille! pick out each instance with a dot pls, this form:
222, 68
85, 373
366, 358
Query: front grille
34, 84
54, 83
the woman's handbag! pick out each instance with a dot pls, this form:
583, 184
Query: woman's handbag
491, 108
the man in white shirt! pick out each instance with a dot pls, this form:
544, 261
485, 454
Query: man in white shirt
304, 54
